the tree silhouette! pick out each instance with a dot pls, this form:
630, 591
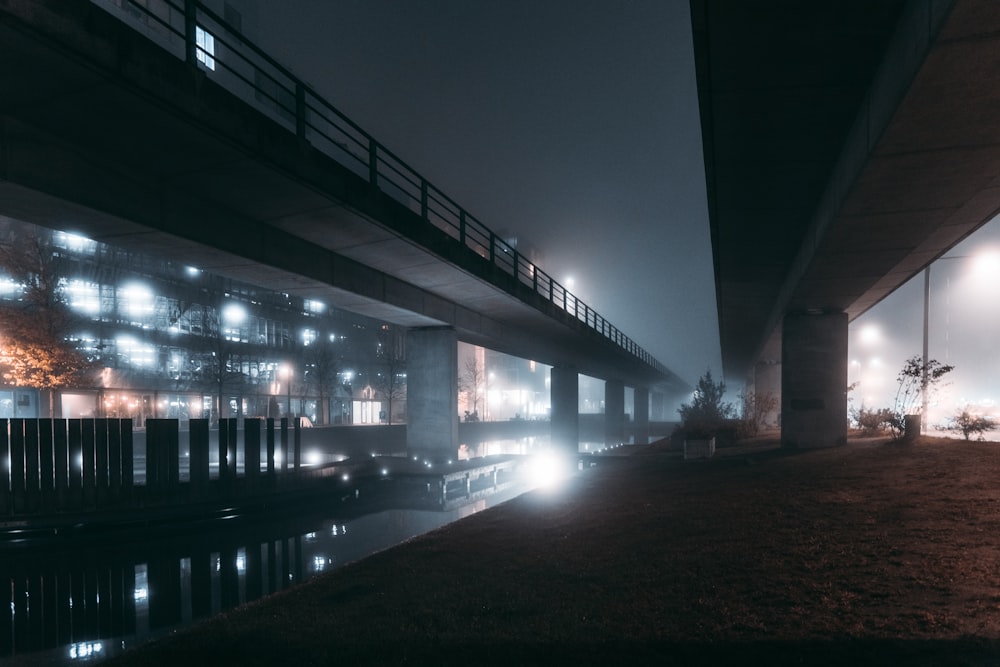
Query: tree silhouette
35, 347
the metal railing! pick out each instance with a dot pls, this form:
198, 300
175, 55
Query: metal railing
194, 33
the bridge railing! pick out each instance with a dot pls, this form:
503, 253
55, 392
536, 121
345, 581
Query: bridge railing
193, 32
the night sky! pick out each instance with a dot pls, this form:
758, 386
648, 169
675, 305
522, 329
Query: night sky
570, 124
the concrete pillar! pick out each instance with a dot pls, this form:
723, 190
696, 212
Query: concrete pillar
766, 385
814, 380
564, 388
432, 393
658, 407
614, 412
641, 415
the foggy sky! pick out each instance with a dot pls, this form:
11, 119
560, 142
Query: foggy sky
570, 124
963, 331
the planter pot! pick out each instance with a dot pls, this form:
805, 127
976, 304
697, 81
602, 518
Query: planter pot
699, 448
911, 427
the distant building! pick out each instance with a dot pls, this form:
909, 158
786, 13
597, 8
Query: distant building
169, 340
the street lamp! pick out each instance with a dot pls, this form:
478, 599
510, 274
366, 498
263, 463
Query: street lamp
985, 261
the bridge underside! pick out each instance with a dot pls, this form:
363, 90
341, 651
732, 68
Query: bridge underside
847, 145
104, 133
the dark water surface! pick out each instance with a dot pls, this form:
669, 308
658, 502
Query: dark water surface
82, 600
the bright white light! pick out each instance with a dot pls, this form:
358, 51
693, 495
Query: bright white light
139, 354
8, 286
314, 306
313, 457
84, 650
547, 469
234, 313
277, 457
869, 334
385, 471
75, 242
345, 477
192, 271
136, 299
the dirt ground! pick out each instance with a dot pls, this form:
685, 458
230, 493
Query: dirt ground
874, 553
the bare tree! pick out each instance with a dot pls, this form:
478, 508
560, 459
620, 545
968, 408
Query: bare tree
472, 383
216, 354
323, 364
391, 380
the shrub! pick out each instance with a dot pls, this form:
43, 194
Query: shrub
874, 422
969, 424
707, 411
916, 382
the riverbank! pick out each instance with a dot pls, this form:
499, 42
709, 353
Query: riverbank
872, 553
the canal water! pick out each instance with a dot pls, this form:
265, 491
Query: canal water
85, 600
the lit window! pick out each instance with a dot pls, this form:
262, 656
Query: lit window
82, 295
9, 288
136, 353
136, 299
74, 242
234, 313
315, 307
309, 335
205, 42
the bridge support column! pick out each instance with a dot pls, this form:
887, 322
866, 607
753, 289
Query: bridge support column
814, 380
658, 407
432, 393
614, 412
564, 388
767, 383
641, 430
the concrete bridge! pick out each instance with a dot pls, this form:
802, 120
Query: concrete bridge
847, 146
160, 129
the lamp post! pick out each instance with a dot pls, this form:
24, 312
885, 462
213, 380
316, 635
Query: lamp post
927, 301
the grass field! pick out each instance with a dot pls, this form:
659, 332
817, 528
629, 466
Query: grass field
872, 553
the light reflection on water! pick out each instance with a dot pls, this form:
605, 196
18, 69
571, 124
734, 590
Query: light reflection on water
90, 602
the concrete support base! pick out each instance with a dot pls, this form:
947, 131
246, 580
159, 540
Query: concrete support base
432, 393
564, 387
814, 380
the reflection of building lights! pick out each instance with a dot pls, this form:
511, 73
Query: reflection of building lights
85, 650
140, 594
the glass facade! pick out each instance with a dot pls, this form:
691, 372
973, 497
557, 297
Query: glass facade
168, 340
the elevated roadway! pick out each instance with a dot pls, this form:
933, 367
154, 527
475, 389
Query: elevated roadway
120, 128
847, 145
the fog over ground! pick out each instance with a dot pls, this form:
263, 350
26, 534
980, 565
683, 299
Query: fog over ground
963, 331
